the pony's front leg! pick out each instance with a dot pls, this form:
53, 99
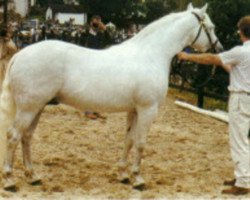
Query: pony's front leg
123, 173
13, 138
144, 121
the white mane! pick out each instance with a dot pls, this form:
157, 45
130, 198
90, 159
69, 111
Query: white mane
160, 23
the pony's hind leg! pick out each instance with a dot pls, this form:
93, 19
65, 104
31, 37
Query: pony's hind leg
13, 138
146, 115
21, 124
32, 178
123, 173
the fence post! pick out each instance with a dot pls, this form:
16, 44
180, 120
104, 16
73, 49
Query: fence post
200, 93
201, 76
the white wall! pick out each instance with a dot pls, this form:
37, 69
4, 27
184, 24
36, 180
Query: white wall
80, 19
33, 2
21, 7
49, 14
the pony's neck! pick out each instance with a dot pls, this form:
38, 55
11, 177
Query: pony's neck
167, 36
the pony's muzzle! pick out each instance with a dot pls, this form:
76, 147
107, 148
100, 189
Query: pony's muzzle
218, 47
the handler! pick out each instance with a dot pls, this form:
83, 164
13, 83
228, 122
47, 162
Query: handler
237, 62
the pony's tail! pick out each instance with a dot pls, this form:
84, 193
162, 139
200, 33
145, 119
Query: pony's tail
7, 111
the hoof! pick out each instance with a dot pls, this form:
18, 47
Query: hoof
33, 179
10, 188
139, 183
125, 181
36, 182
141, 187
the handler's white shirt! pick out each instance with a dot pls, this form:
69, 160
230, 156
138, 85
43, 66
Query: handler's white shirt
239, 58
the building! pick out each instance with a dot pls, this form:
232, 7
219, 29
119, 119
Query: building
20, 6
73, 2
64, 13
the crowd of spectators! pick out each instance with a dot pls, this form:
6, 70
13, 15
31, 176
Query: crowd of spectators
77, 34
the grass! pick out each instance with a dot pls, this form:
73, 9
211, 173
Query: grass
209, 103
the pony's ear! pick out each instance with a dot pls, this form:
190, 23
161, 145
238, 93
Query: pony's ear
190, 6
204, 9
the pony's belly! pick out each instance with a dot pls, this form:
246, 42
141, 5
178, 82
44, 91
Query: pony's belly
112, 109
99, 104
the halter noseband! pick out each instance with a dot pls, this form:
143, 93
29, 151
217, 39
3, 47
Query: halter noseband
202, 25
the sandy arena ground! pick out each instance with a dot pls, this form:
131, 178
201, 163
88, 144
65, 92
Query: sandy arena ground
187, 156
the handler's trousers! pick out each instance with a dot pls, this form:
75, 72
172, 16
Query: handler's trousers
239, 126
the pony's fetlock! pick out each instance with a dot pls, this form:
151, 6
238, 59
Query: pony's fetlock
9, 183
32, 178
123, 175
139, 183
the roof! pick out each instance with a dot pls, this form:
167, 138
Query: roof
57, 8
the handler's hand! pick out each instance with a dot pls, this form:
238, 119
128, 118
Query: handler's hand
101, 26
182, 56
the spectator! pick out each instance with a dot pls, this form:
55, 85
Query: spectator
97, 36
43, 33
33, 35
131, 31
51, 34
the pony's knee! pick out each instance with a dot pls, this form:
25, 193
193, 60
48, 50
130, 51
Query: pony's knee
13, 136
140, 147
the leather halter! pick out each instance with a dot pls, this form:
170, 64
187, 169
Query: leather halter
213, 45
202, 25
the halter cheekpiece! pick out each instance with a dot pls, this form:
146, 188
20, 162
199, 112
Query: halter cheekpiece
202, 25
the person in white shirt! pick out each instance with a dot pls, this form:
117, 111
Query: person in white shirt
237, 62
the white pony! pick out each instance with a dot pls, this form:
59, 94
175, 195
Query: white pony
131, 77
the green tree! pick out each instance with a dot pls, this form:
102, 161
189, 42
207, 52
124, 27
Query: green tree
121, 11
117, 11
158, 8
44, 3
225, 15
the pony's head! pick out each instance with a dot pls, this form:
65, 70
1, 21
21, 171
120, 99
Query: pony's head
203, 37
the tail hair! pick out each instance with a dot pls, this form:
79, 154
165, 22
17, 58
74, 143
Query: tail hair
7, 111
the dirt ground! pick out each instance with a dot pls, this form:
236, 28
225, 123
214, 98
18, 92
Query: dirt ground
187, 156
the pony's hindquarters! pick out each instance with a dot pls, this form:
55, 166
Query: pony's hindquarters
7, 50
7, 114
3, 68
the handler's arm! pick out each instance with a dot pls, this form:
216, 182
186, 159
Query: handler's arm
204, 58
